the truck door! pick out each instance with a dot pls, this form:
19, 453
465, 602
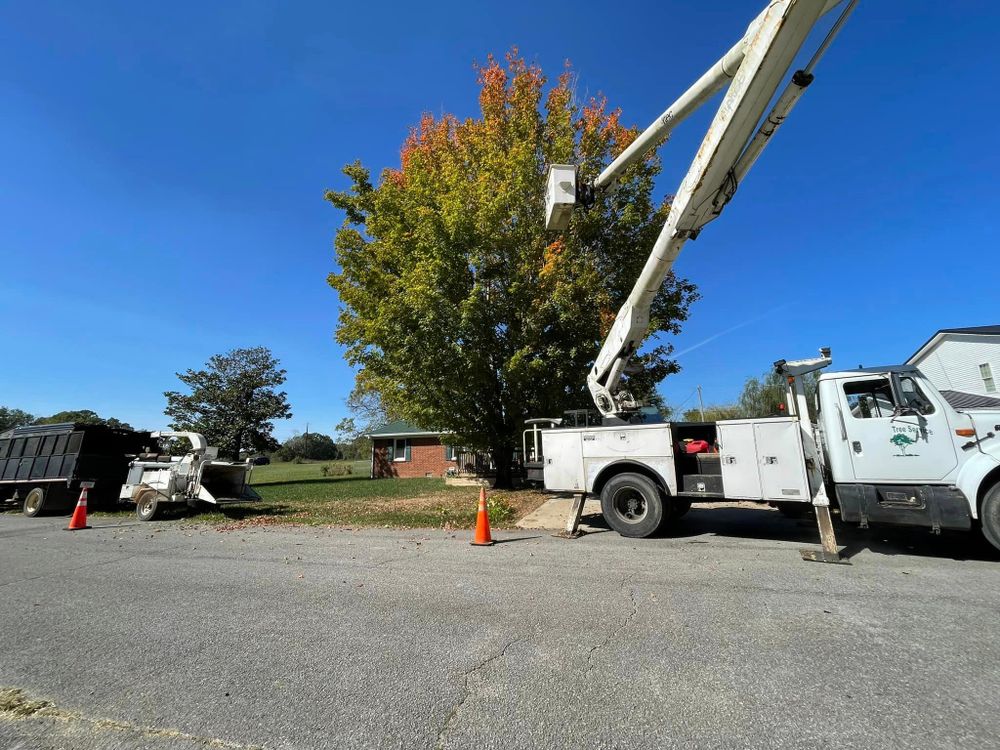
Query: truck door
887, 447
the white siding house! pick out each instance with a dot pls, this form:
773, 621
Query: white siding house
965, 360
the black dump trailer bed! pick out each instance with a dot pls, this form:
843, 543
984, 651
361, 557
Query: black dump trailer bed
42, 466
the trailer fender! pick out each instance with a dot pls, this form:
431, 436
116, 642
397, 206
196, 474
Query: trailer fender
975, 478
138, 490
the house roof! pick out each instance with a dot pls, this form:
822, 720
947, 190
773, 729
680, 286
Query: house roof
399, 428
962, 400
968, 331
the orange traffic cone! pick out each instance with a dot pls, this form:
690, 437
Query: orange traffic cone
79, 519
483, 538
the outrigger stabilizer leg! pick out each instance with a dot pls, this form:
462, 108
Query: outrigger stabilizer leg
572, 530
830, 552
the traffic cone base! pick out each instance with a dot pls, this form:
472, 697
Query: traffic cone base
79, 519
482, 538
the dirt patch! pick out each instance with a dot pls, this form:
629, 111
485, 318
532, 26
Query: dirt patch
17, 706
445, 510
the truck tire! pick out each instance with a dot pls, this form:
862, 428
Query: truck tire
147, 505
34, 502
989, 516
633, 506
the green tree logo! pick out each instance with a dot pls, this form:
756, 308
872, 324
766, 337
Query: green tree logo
902, 441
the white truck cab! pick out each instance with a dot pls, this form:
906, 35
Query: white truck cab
896, 451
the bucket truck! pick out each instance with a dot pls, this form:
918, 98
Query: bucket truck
886, 446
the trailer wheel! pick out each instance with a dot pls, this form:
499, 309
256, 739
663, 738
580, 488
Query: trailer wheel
34, 502
633, 506
147, 505
989, 516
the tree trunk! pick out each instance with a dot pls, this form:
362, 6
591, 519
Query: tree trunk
503, 457
239, 444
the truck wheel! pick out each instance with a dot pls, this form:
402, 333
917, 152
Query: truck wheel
989, 516
34, 502
632, 505
147, 505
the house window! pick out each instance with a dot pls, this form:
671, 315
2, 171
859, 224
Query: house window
986, 373
450, 453
399, 449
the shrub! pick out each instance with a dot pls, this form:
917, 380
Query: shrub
500, 510
336, 470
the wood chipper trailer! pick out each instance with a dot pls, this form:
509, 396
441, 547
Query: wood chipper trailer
159, 479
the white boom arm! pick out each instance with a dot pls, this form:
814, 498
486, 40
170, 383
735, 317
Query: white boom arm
756, 64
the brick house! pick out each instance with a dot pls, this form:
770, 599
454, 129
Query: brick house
402, 450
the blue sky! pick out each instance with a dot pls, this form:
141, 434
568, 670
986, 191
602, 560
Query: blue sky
162, 169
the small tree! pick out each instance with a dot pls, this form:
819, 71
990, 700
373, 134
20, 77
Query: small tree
713, 413
233, 402
312, 446
11, 418
763, 396
766, 396
354, 445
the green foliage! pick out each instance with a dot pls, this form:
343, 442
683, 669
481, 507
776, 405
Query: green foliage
458, 309
765, 396
233, 402
353, 444
312, 446
84, 416
11, 418
761, 397
336, 470
713, 413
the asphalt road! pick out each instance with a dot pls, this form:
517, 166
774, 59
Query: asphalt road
161, 636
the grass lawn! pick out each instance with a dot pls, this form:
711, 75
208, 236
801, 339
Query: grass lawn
301, 494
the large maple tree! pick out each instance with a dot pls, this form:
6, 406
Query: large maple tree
457, 307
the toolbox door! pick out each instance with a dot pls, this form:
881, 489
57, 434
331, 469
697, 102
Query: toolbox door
782, 463
738, 459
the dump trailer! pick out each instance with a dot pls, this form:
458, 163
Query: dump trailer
159, 479
42, 466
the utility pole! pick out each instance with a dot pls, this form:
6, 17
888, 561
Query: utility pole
701, 404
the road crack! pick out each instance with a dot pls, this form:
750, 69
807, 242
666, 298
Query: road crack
16, 705
467, 691
626, 621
